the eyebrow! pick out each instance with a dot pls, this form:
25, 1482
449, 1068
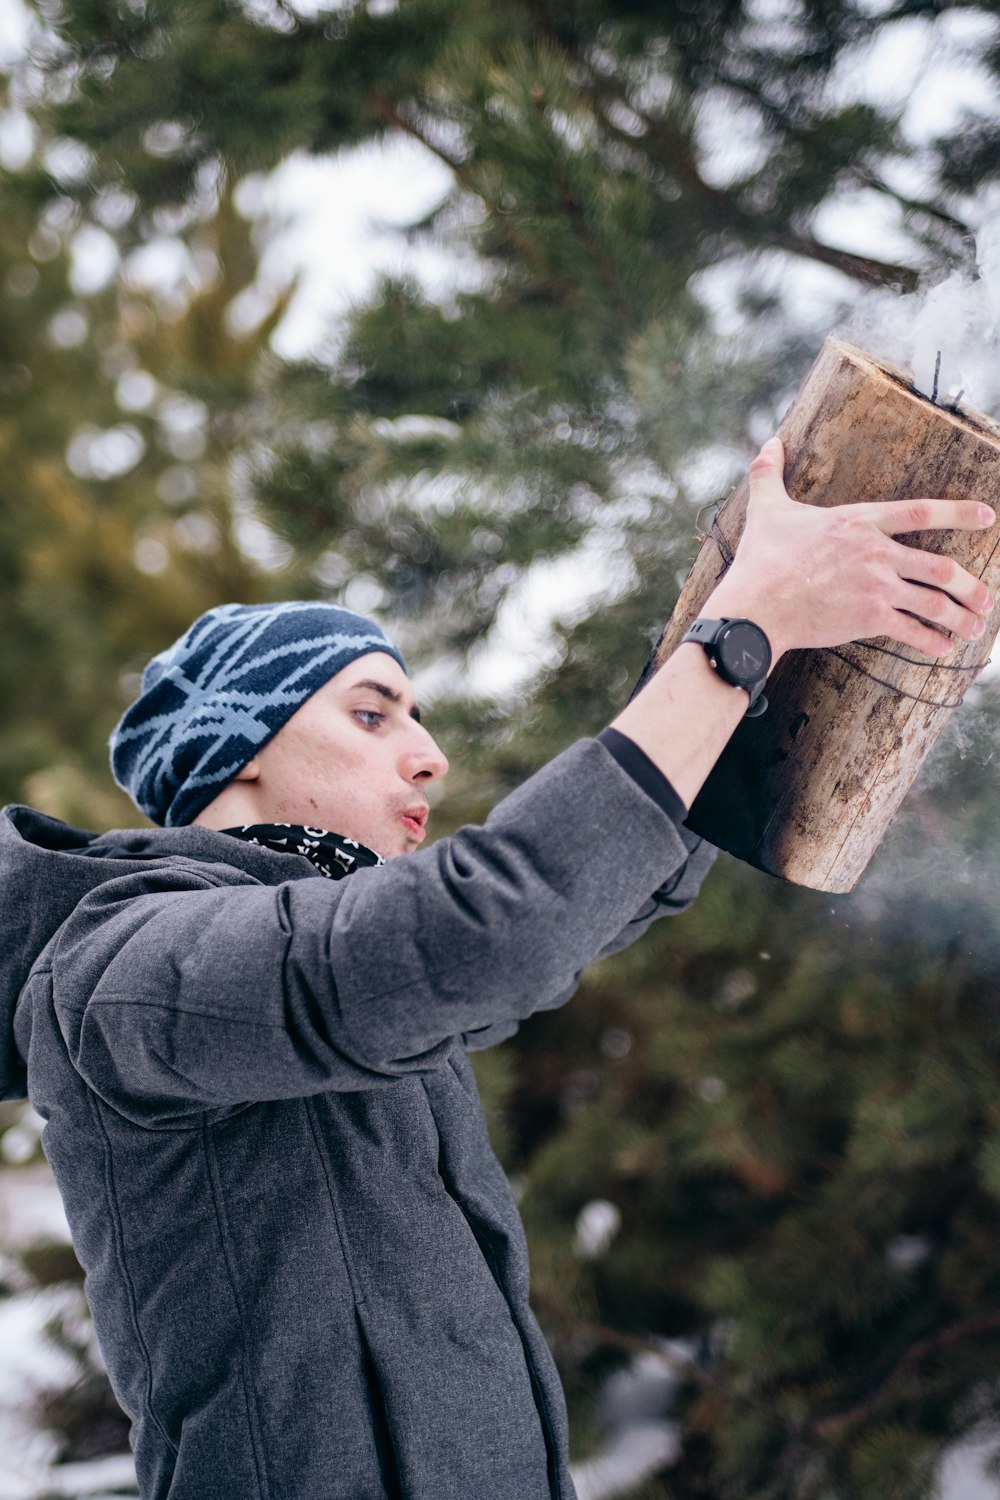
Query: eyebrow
386, 692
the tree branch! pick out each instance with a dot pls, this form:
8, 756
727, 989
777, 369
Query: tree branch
914, 205
864, 268
685, 1368
827, 1429
673, 150
834, 1427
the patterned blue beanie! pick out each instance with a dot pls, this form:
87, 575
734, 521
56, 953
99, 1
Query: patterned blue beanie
211, 701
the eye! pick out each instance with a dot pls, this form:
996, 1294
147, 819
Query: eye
369, 717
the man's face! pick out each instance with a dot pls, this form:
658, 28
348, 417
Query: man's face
354, 759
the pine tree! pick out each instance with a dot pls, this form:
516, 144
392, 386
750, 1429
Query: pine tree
120, 516
575, 139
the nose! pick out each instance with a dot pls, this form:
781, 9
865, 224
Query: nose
425, 762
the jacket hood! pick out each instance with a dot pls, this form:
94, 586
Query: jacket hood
47, 867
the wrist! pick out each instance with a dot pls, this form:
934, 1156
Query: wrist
733, 601
740, 653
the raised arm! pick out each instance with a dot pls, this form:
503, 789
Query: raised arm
177, 993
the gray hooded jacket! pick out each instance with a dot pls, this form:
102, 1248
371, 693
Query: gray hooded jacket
307, 1273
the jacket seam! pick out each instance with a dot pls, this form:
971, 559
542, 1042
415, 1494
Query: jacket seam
119, 1239
213, 1187
122, 998
514, 1310
356, 1292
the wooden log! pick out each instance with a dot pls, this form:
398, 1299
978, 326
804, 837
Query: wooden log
807, 791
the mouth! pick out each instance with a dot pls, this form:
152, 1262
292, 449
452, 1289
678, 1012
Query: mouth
414, 820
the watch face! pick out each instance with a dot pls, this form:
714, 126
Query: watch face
744, 653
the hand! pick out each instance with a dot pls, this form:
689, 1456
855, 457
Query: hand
811, 576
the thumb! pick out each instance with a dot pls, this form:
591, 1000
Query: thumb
766, 473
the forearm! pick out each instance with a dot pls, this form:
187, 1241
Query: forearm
684, 716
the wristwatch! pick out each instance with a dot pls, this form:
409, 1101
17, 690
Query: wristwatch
741, 654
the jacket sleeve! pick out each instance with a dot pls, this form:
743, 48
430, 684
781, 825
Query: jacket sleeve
673, 897
177, 992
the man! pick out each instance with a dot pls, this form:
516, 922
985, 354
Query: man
306, 1269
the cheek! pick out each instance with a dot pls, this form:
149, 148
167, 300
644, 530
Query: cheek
325, 758
352, 787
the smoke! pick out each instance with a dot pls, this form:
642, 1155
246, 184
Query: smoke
958, 319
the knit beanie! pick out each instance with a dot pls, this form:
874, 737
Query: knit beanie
211, 701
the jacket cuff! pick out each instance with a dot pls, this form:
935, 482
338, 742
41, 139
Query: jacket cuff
644, 772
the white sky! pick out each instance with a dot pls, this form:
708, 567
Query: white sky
340, 222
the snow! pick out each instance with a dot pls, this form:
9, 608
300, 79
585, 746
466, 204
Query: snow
629, 1459
30, 1364
31, 1211
30, 1208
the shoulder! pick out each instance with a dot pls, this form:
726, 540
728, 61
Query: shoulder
159, 905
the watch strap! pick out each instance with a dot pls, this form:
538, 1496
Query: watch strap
703, 630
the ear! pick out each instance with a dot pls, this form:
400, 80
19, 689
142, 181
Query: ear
250, 772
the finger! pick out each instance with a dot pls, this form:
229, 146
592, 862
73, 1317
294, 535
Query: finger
941, 572
940, 610
907, 631
766, 473
894, 516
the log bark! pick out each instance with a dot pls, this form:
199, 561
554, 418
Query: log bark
807, 791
